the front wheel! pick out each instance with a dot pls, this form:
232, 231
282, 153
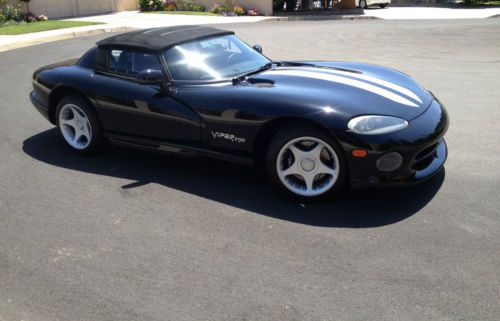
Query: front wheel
78, 124
383, 5
306, 163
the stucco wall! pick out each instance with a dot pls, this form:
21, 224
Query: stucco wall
71, 8
86, 7
53, 8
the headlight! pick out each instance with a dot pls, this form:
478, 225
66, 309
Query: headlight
375, 125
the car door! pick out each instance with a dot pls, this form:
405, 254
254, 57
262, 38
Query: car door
136, 108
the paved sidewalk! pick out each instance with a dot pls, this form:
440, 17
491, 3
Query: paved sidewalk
399, 13
29, 39
135, 19
117, 22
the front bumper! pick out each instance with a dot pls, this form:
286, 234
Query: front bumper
418, 176
39, 105
421, 146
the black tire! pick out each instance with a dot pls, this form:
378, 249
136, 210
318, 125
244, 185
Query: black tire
383, 5
362, 4
288, 135
92, 145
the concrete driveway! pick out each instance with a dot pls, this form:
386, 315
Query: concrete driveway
404, 13
130, 235
135, 19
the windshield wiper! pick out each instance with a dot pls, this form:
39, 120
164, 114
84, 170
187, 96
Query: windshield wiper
269, 65
262, 68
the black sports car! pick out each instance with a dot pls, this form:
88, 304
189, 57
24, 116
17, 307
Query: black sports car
196, 90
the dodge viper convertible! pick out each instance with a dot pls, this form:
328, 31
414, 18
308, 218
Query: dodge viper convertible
192, 90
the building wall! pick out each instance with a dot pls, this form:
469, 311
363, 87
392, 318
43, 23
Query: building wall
73, 8
126, 5
86, 7
58, 8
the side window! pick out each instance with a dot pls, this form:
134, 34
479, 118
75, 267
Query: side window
130, 62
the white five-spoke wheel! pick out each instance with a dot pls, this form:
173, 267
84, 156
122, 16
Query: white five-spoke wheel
307, 166
306, 162
75, 126
78, 124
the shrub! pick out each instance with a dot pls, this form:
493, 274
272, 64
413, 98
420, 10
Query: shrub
252, 12
2, 18
169, 6
189, 5
239, 10
199, 8
12, 23
30, 17
217, 9
184, 5
229, 4
14, 13
152, 5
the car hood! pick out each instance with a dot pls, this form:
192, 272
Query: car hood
349, 89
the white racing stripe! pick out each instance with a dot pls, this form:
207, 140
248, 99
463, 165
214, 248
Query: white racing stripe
346, 81
371, 79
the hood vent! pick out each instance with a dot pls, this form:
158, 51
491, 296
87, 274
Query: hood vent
259, 82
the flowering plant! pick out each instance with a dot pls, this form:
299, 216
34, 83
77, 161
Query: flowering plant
239, 10
169, 6
151, 5
252, 12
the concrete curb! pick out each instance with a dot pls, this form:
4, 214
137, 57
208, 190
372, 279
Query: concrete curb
320, 17
61, 36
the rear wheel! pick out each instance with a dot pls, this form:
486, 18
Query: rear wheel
306, 163
363, 4
78, 124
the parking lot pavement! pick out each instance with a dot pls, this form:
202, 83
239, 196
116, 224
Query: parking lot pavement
404, 13
130, 235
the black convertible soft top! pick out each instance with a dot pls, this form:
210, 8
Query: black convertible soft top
160, 38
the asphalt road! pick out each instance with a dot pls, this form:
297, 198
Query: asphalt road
137, 236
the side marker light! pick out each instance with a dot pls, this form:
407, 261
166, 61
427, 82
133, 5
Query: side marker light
359, 153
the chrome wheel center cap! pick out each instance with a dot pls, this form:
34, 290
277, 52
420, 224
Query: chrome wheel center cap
308, 164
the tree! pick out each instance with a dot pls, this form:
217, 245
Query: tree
27, 5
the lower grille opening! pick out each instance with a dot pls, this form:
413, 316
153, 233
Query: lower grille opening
424, 157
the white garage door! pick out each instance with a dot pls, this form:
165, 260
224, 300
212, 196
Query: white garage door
95, 6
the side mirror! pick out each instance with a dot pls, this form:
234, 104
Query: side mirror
150, 76
257, 48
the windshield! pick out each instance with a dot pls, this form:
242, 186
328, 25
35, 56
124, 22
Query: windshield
212, 59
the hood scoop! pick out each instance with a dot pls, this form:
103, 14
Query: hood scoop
260, 82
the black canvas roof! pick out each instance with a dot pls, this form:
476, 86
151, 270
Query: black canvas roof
161, 38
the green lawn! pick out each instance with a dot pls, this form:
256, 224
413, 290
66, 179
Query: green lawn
190, 13
42, 26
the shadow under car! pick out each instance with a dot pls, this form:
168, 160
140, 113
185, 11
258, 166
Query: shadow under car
237, 186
